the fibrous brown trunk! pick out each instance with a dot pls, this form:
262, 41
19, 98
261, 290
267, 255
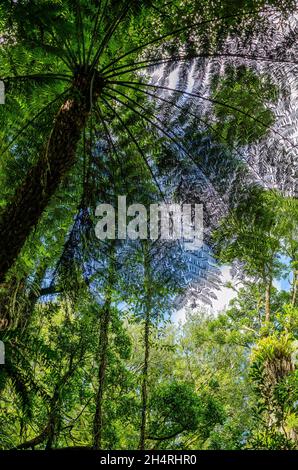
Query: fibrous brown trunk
31, 198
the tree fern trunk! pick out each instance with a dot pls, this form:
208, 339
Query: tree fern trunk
22, 214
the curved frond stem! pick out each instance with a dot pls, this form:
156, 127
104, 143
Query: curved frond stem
70, 61
80, 31
136, 145
30, 122
96, 24
179, 31
214, 101
166, 133
208, 126
135, 66
54, 76
110, 140
66, 61
111, 30
146, 64
71, 53
70, 58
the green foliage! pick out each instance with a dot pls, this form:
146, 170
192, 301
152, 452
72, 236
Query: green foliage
175, 409
270, 440
91, 354
249, 117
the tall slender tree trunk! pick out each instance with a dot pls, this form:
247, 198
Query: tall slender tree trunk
145, 382
268, 300
98, 416
54, 420
31, 198
144, 391
103, 350
294, 287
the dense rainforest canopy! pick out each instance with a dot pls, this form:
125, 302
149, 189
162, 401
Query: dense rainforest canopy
177, 102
